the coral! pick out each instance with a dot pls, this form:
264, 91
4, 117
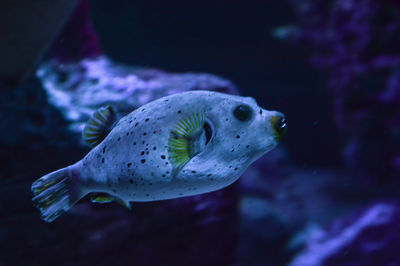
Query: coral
42, 133
369, 236
356, 42
78, 39
77, 89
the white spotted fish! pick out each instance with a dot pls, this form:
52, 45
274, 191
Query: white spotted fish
180, 145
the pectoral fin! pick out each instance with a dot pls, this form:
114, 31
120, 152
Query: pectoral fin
186, 140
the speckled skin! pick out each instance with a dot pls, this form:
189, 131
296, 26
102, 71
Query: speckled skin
132, 162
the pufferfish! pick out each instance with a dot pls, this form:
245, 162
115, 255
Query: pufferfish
180, 145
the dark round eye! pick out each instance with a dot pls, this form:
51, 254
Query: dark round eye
242, 112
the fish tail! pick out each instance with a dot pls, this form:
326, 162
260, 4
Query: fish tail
56, 192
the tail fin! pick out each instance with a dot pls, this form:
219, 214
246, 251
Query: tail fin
55, 193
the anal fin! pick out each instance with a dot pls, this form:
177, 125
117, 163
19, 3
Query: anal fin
102, 198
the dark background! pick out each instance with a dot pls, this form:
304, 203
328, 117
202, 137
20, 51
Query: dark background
232, 39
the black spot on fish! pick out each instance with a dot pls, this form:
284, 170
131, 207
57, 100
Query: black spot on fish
142, 153
131, 181
193, 172
119, 179
163, 157
143, 142
147, 152
147, 194
94, 81
154, 132
147, 119
238, 136
119, 139
143, 109
235, 169
134, 144
260, 111
102, 160
144, 134
143, 160
163, 175
179, 111
233, 150
127, 133
247, 146
104, 149
209, 175
150, 184
147, 149
154, 148
137, 123
129, 164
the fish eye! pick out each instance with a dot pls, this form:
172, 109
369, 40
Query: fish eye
242, 112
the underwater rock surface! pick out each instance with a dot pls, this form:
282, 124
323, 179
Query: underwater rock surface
27, 29
370, 236
356, 43
78, 89
38, 137
42, 132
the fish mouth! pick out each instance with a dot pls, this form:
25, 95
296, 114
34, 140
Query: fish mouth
279, 126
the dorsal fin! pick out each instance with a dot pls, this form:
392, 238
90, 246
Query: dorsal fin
99, 125
101, 197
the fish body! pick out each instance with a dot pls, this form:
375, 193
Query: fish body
180, 145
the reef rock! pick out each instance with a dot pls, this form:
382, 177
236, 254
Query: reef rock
370, 236
77, 89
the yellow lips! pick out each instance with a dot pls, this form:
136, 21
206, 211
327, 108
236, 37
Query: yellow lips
278, 126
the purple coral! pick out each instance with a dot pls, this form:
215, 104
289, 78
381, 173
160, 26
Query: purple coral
356, 42
78, 40
370, 236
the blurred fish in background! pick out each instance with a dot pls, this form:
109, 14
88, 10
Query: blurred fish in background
327, 196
